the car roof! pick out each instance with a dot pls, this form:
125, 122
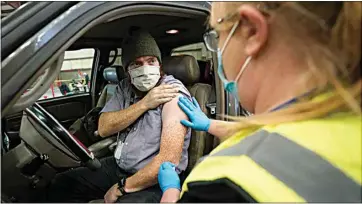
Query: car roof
31, 17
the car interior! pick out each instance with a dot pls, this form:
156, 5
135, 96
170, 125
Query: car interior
41, 142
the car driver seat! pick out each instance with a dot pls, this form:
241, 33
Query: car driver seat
113, 75
110, 74
186, 69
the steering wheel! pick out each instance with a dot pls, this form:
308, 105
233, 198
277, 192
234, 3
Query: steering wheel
60, 134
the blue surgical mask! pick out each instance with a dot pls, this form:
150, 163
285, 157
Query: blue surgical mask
230, 86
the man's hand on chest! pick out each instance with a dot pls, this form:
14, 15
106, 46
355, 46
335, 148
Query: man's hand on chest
159, 95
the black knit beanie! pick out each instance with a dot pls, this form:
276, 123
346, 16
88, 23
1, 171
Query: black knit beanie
140, 44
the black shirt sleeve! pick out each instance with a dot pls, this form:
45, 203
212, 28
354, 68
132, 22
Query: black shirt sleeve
218, 191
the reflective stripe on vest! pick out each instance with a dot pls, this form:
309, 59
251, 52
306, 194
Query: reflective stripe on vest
308, 174
273, 168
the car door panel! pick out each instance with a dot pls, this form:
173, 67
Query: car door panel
68, 109
12, 122
65, 109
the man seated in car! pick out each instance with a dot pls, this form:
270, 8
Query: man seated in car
145, 115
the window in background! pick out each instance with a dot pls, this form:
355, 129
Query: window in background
197, 50
118, 61
75, 74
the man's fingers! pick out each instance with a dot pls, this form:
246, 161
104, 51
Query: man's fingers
167, 95
167, 86
164, 100
187, 123
174, 90
168, 91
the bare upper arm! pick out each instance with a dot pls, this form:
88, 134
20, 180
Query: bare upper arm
173, 132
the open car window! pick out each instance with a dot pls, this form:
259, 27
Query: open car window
118, 61
197, 50
74, 77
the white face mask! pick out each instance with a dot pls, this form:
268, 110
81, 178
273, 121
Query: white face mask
145, 78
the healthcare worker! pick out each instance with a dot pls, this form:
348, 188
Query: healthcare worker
296, 66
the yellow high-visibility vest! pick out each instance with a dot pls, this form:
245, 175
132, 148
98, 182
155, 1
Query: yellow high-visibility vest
317, 160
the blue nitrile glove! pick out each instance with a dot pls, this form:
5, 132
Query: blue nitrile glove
198, 120
168, 177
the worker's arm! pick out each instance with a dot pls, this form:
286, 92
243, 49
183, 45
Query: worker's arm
171, 195
199, 121
172, 140
115, 121
169, 182
221, 129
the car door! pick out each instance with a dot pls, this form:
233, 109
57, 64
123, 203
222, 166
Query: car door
28, 19
68, 98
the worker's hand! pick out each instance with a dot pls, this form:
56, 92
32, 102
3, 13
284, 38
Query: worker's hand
168, 177
160, 95
112, 194
198, 120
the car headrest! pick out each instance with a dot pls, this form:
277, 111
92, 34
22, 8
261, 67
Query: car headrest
114, 74
121, 74
110, 74
183, 68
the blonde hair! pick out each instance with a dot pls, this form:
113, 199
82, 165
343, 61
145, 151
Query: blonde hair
328, 36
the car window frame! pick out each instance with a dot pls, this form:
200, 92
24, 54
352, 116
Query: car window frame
24, 22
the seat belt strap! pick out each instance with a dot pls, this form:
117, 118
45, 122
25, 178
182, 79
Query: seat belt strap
211, 102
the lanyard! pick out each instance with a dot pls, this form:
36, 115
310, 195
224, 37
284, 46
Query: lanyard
127, 104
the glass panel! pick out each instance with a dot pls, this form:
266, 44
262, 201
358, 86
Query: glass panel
118, 61
198, 50
74, 77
